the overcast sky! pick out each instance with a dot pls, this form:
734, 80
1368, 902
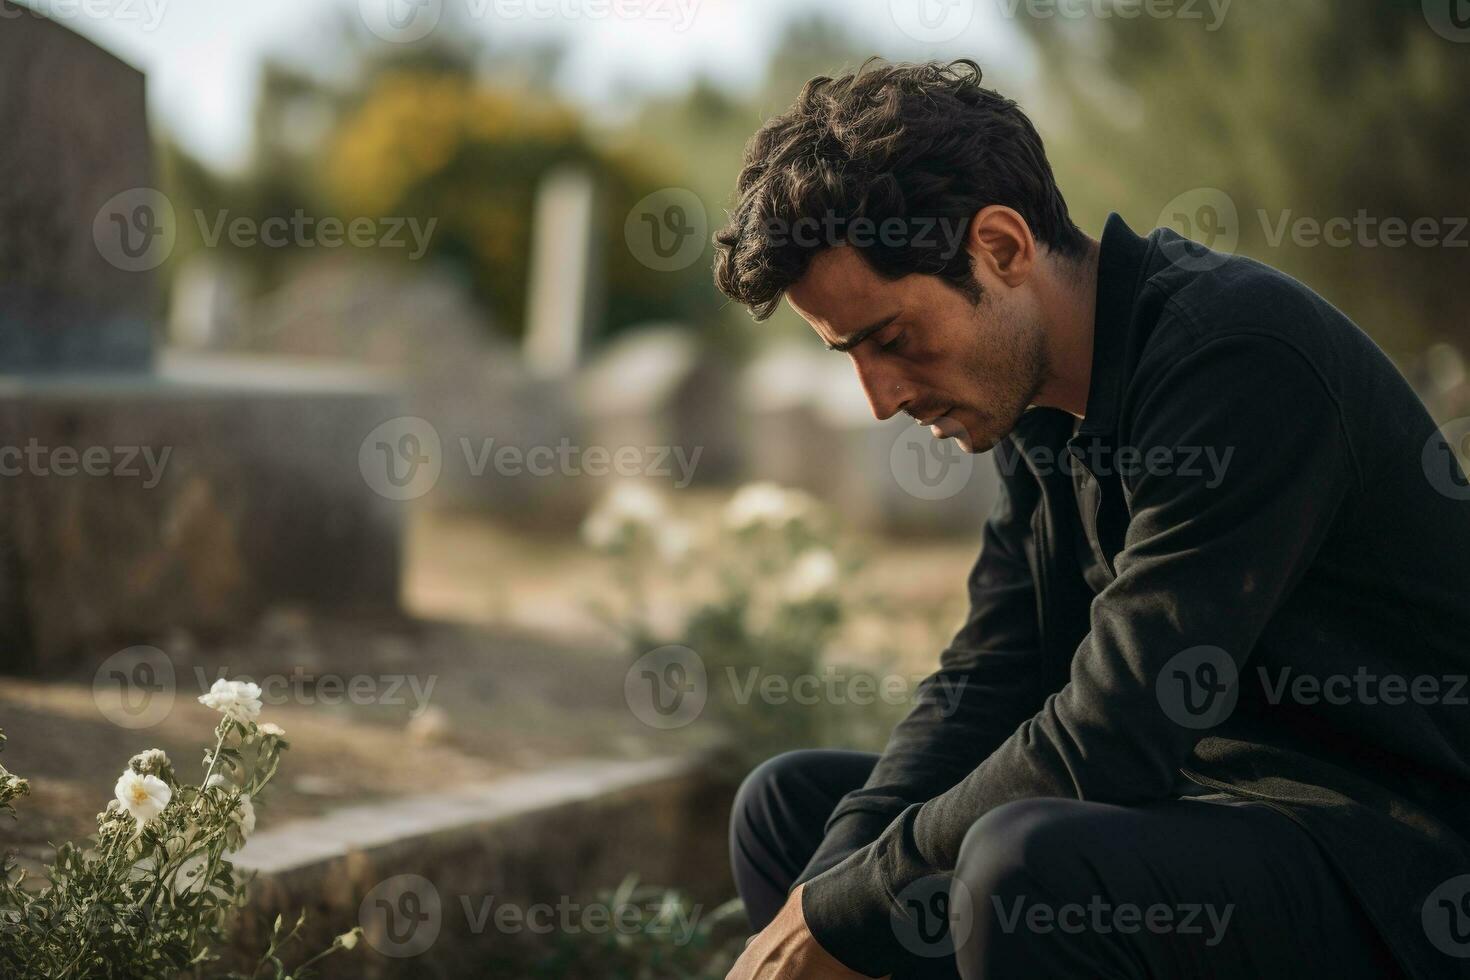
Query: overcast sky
202, 56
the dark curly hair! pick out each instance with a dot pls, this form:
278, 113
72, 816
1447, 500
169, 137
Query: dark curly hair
893, 152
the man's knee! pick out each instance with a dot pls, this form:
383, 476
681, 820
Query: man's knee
1029, 843
1019, 856
763, 801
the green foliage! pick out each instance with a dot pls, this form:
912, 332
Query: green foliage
662, 947
1315, 108
153, 896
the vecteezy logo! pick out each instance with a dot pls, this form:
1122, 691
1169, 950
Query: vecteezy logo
1443, 458
1446, 917
402, 458
1450, 19
401, 21
668, 229
667, 688
134, 688
401, 917
1207, 216
135, 231
929, 468
933, 916
1198, 688
932, 21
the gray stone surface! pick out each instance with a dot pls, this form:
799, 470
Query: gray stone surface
553, 837
75, 137
193, 499
656, 386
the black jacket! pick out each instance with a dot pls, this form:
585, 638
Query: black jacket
1326, 538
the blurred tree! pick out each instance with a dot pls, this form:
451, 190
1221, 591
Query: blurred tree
448, 130
1314, 109
434, 146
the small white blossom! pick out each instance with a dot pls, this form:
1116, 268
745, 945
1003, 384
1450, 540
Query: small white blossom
149, 762
626, 509
189, 879
348, 940
766, 504
239, 700
144, 797
675, 541
812, 575
246, 818
271, 728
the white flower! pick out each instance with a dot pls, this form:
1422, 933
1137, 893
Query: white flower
246, 817
144, 797
271, 728
189, 879
349, 939
149, 762
813, 574
239, 700
626, 509
766, 504
675, 541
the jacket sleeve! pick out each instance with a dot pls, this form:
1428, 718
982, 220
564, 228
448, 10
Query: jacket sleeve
988, 682
1206, 561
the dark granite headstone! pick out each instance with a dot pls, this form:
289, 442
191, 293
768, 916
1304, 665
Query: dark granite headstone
81, 227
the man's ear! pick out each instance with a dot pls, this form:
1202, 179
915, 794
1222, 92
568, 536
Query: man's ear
1000, 240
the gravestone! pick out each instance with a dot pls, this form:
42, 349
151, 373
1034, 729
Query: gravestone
143, 492
565, 275
811, 427
73, 125
656, 387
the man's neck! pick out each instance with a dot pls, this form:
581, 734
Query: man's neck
1069, 306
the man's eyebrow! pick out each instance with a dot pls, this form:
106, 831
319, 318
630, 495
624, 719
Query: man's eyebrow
844, 346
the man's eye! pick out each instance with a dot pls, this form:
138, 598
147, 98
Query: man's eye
894, 342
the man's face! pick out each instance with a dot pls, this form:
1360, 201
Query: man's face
967, 370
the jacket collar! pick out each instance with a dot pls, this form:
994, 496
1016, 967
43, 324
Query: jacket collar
1120, 267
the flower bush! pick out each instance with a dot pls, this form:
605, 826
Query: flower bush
766, 589
154, 894
763, 586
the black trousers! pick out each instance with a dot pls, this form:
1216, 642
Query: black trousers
1056, 888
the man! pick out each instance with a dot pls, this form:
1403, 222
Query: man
1213, 720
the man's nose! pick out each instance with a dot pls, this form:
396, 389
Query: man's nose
887, 393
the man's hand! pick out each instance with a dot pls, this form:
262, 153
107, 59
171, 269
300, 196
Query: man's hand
786, 950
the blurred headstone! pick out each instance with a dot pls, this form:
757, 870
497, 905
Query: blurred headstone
143, 495
811, 427
205, 310
459, 374
781, 435
657, 389
77, 212
565, 278
894, 476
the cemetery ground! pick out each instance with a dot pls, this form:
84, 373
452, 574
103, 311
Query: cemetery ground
499, 672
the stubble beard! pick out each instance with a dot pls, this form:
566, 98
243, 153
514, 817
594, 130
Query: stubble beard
1015, 376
